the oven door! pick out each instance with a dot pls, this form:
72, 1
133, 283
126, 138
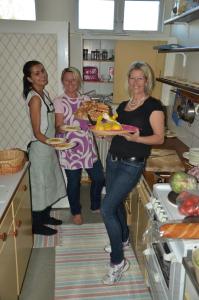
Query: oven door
161, 268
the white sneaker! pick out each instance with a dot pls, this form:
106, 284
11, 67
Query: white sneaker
115, 272
126, 245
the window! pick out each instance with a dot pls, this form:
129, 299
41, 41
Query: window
141, 15
96, 14
120, 16
17, 9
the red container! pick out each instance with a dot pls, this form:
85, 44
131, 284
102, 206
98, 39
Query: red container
90, 73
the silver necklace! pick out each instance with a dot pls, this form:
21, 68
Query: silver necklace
132, 102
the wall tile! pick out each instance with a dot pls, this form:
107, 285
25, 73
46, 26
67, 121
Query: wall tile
15, 50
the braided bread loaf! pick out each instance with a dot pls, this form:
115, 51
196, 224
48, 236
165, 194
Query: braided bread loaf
180, 230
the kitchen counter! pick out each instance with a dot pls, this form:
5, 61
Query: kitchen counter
174, 144
16, 238
171, 144
8, 186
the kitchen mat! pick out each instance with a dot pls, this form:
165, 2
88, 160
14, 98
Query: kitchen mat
81, 263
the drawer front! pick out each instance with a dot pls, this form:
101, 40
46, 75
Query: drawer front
8, 280
5, 225
22, 192
24, 238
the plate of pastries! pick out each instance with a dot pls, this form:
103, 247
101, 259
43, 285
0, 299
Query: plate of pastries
91, 110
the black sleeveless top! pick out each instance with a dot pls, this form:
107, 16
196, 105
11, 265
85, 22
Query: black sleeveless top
139, 117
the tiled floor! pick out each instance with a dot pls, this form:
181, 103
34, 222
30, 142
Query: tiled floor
40, 276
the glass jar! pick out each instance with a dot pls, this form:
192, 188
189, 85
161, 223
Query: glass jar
104, 55
85, 54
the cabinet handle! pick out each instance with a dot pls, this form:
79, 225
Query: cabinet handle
14, 233
18, 223
3, 236
24, 188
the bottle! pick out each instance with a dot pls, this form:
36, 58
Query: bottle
92, 55
104, 54
85, 54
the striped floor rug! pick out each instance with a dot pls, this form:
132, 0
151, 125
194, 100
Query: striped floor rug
81, 263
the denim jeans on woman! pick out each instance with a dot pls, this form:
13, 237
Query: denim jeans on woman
121, 177
73, 187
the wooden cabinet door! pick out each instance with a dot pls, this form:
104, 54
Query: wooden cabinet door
23, 225
134, 216
8, 280
128, 51
144, 194
142, 226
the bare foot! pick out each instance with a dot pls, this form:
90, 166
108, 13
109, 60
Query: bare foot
77, 219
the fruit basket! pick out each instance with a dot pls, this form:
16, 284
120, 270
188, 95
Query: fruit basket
11, 161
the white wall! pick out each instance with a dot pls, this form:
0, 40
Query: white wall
187, 35
63, 10
56, 10
66, 10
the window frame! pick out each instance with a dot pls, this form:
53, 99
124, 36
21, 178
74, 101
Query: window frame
118, 21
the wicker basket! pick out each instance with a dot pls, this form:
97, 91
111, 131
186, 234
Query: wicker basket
11, 161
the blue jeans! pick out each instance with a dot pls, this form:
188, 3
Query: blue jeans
73, 187
121, 178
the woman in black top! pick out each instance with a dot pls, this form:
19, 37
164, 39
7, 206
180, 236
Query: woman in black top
126, 161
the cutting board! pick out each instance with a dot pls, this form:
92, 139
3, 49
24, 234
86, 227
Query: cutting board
164, 160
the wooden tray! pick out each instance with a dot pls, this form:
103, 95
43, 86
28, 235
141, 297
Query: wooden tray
164, 160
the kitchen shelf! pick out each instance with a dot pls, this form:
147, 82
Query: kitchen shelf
181, 49
183, 86
188, 16
99, 60
98, 81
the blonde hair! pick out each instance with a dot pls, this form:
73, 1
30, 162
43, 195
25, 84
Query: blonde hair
76, 73
148, 74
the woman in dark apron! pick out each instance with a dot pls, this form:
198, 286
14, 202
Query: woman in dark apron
46, 178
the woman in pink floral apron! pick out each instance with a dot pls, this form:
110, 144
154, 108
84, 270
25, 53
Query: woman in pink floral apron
84, 155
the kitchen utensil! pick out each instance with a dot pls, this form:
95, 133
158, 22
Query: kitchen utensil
186, 111
55, 141
65, 146
192, 156
197, 109
172, 197
71, 128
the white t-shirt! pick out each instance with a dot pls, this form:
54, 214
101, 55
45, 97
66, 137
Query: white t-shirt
45, 107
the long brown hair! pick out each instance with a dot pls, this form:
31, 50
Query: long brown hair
27, 85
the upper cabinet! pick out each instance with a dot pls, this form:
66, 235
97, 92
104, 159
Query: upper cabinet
187, 16
128, 51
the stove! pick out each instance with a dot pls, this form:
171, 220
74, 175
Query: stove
166, 211
163, 257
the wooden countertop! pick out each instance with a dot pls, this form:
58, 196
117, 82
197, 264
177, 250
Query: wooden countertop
8, 185
171, 144
174, 144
